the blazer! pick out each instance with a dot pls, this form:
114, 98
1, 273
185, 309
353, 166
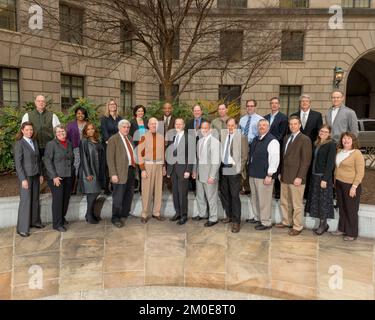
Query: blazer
208, 160
313, 124
324, 160
133, 129
181, 161
109, 127
27, 161
117, 158
239, 149
171, 122
279, 126
58, 160
91, 164
296, 161
345, 120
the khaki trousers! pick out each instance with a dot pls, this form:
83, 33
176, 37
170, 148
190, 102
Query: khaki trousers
291, 198
261, 200
152, 189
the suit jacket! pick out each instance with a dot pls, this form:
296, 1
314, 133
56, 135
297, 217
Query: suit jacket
345, 120
179, 160
279, 126
239, 149
313, 124
117, 158
171, 122
190, 128
324, 160
27, 161
208, 160
133, 129
109, 127
58, 160
296, 161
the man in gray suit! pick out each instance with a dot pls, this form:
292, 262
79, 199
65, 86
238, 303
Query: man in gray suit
341, 118
206, 172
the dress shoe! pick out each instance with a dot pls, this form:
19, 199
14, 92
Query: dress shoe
253, 221
38, 226
159, 218
175, 217
281, 225
226, 220
262, 227
60, 229
210, 223
182, 221
24, 234
236, 227
321, 229
197, 218
92, 221
337, 233
118, 224
144, 220
65, 222
294, 232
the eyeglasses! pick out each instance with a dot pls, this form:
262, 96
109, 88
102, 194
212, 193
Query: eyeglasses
323, 131
250, 106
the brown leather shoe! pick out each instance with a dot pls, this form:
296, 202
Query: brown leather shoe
281, 225
226, 220
294, 232
159, 218
236, 227
144, 220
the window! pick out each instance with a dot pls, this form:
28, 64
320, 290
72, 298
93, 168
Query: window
126, 39
175, 90
230, 94
8, 14
356, 3
9, 87
71, 90
232, 3
292, 44
289, 98
231, 45
175, 48
71, 24
294, 3
126, 100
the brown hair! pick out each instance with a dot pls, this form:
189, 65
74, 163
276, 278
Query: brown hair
318, 140
295, 118
355, 143
19, 134
96, 134
251, 100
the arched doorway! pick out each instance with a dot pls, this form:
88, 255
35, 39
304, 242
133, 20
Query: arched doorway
360, 88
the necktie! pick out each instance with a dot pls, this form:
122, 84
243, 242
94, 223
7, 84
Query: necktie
176, 142
32, 144
272, 118
166, 125
226, 154
196, 124
289, 143
247, 127
304, 119
130, 151
201, 147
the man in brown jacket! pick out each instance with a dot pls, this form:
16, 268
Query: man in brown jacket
150, 153
295, 162
121, 167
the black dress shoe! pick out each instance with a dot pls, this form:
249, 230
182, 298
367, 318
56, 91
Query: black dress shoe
60, 229
175, 217
24, 234
182, 221
118, 224
38, 226
262, 227
65, 222
210, 223
253, 221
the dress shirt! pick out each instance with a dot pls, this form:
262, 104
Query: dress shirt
334, 112
272, 117
253, 129
126, 148
30, 142
306, 115
180, 135
273, 155
230, 159
294, 137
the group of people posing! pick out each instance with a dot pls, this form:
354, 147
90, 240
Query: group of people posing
291, 158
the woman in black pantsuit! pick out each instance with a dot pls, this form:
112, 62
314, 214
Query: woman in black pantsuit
59, 160
29, 168
92, 168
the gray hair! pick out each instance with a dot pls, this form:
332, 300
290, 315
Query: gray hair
59, 126
305, 96
123, 123
263, 120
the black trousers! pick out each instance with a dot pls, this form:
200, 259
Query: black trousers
230, 187
180, 190
122, 197
348, 208
60, 200
29, 209
91, 200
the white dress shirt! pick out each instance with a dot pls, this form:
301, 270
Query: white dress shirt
30, 142
230, 159
127, 150
334, 112
180, 135
273, 155
306, 113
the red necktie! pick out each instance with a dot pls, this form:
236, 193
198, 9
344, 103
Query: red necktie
130, 151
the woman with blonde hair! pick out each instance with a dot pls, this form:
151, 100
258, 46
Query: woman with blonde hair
109, 127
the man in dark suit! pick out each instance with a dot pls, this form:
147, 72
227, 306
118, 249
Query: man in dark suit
296, 157
278, 128
311, 121
179, 169
167, 119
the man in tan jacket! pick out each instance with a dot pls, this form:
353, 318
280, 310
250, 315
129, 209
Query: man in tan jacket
150, 153
121, 167
295, 162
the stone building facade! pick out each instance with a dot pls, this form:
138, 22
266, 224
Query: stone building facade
38, 61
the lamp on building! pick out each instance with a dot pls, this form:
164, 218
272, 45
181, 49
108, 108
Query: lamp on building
338, 75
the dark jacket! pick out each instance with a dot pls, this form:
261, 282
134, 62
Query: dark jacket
72, 131
133, 129
27, 161
179, 160
108, 127
91, 164
324, 160
279, 126
313, 124
58, 160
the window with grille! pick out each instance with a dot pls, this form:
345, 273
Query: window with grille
9, 87
126, 39
71, 90
71, 24
294, 3
292, 45
126, 100
8, 14
289, 99
231, 43
356, 3
230, 94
